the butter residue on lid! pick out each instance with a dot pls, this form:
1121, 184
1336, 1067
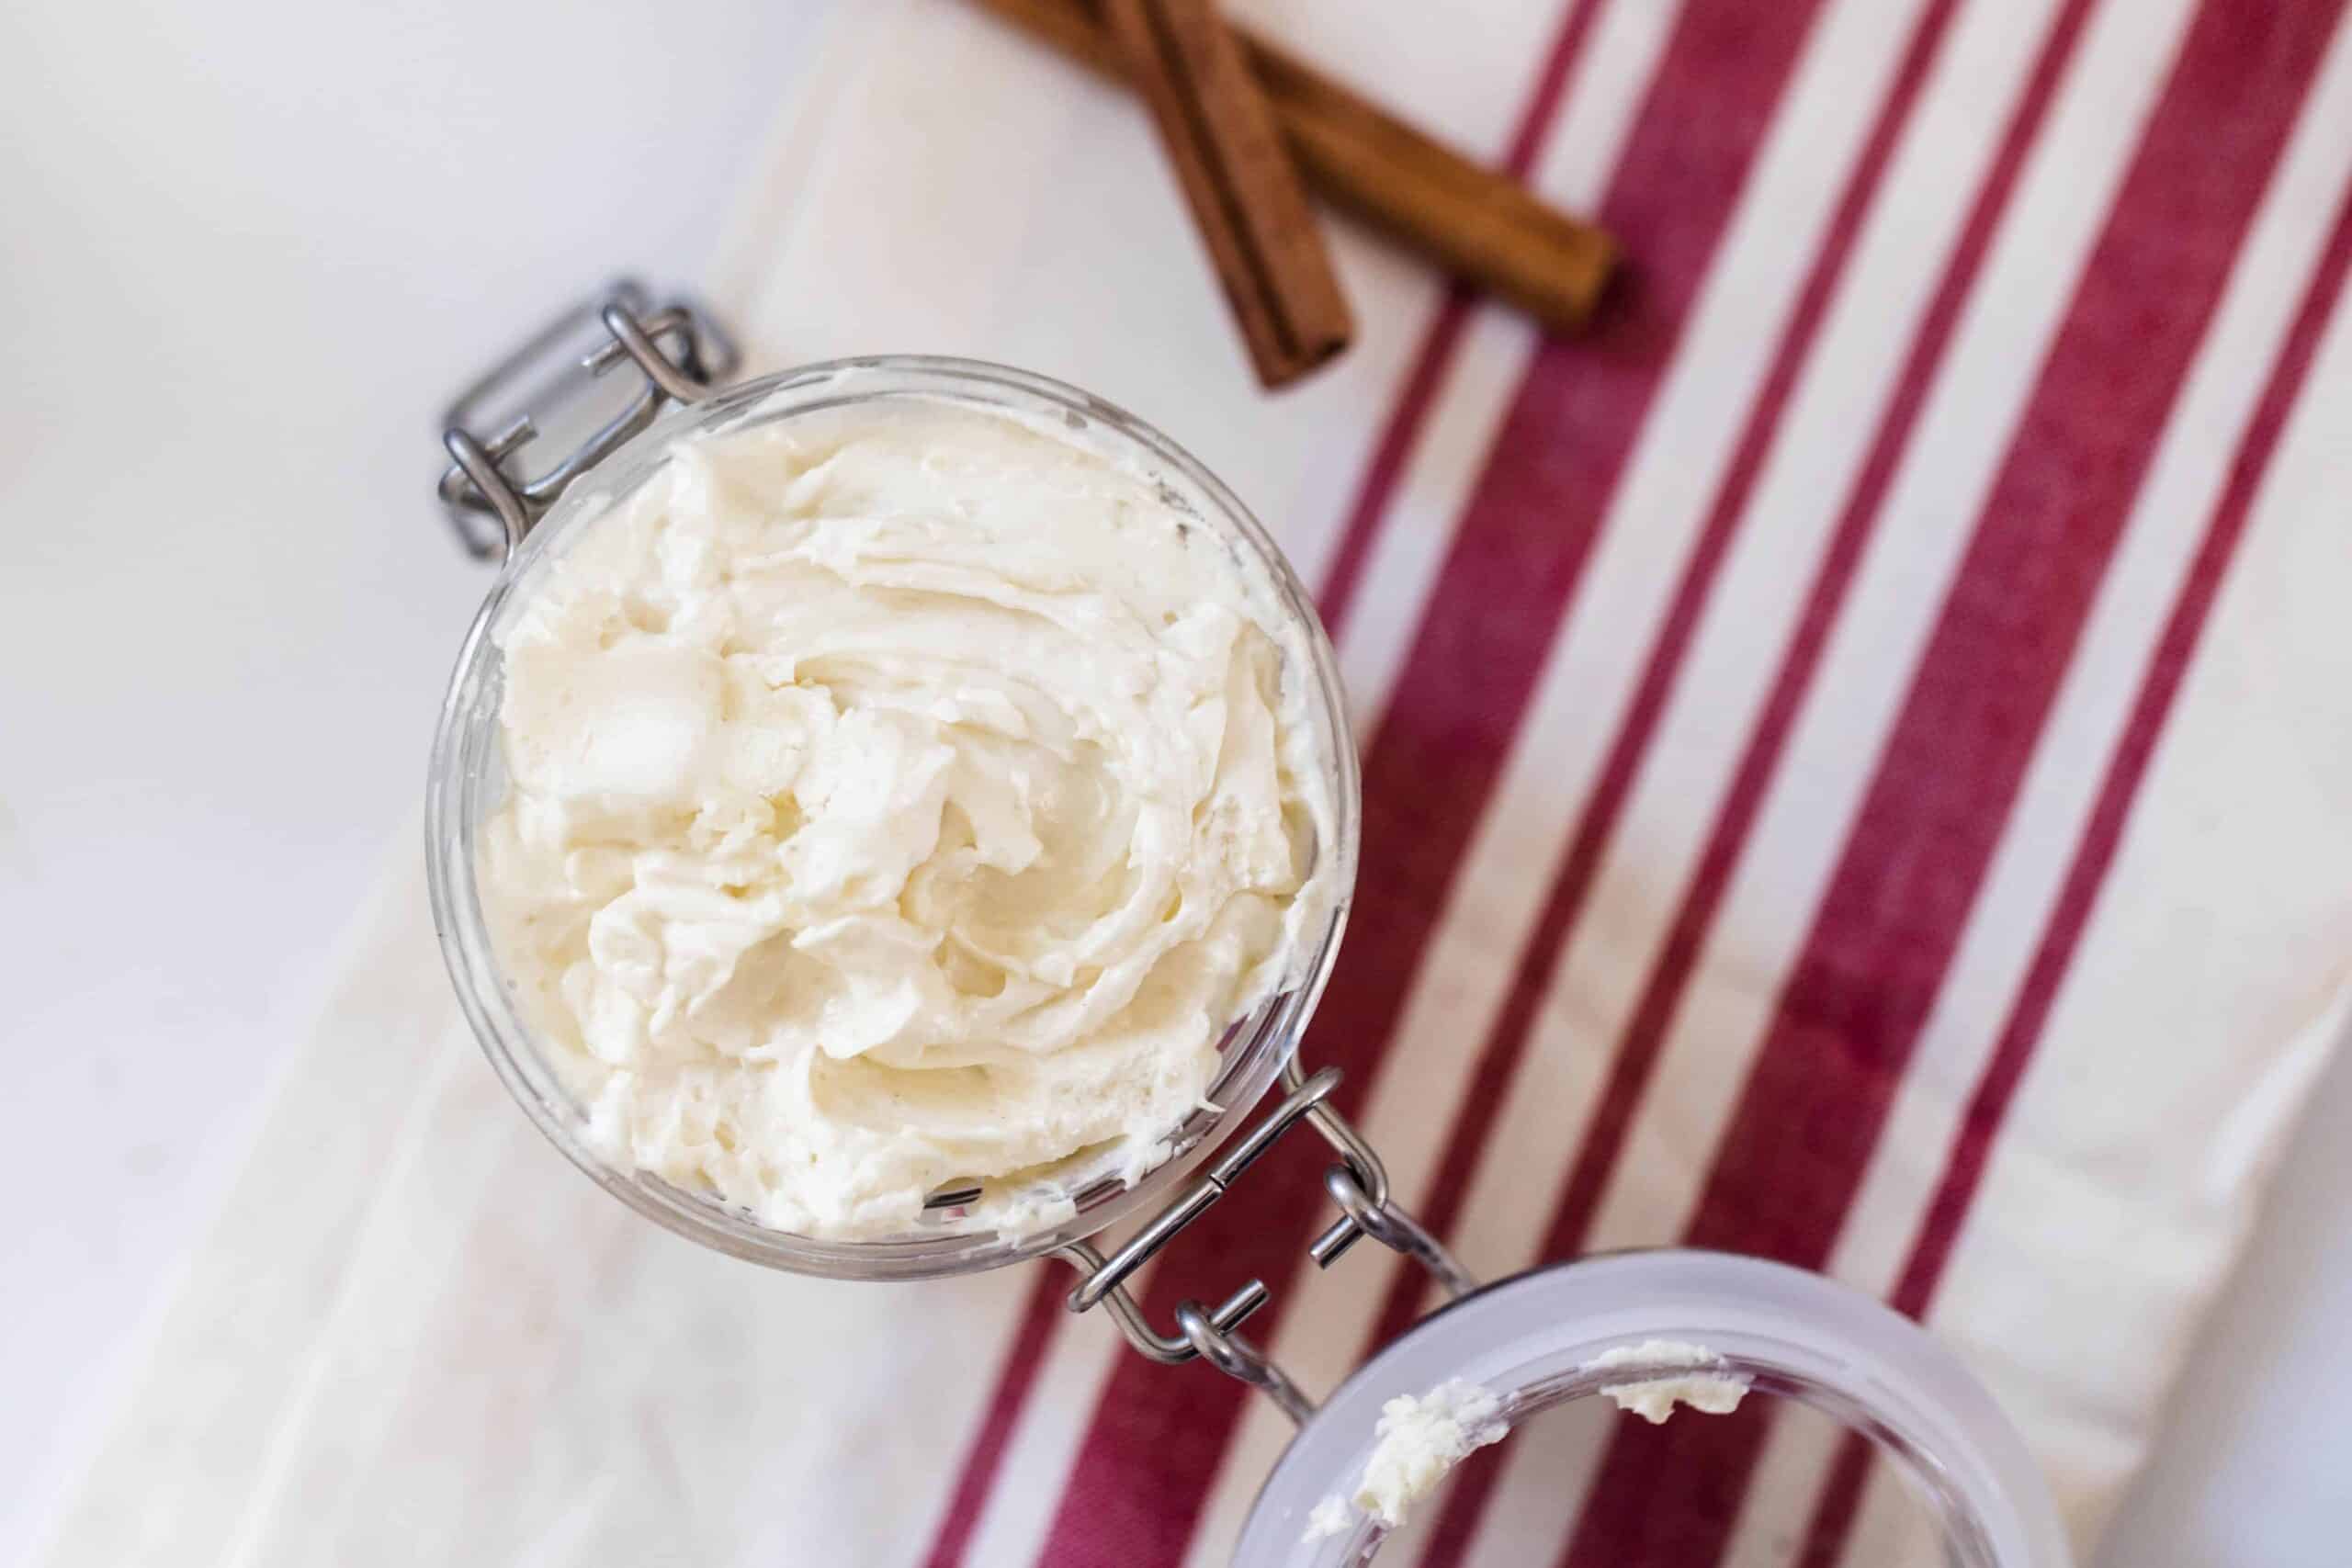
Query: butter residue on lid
1696, 1380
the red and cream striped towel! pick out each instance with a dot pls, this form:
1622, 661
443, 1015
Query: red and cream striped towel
1855, 757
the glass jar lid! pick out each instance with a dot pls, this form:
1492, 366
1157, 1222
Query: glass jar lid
1543, 1339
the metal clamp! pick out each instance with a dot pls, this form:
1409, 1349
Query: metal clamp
1358, 1184
677, 350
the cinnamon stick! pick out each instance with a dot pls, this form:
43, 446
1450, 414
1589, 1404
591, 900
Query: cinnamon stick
1238, 177
1479, 225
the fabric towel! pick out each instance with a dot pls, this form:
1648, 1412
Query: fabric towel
1855, 757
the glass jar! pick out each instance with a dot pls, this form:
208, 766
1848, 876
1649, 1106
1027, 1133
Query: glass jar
1531, 1340
467, 781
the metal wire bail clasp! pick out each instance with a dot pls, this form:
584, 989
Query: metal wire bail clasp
678, 352
1358, 1184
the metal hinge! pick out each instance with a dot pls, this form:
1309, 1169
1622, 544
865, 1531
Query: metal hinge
1358, 1185
678, 351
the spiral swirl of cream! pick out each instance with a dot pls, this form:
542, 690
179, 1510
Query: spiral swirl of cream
900, 793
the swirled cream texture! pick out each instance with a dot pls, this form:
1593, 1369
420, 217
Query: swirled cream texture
900, 794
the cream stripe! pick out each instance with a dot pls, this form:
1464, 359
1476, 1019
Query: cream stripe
1424, 510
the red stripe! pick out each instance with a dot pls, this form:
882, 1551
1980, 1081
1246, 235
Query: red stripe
1638, 1050
2078, 896
1443, 339
1505, 584
1022, 1358
1916, 856
1422, 379
1506, 1044
1418, 394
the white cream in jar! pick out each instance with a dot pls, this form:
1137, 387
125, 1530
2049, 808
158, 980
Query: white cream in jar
900, 793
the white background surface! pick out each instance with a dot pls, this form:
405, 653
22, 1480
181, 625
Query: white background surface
249, 249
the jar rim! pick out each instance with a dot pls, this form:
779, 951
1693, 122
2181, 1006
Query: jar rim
1255, 1049
1532, 1339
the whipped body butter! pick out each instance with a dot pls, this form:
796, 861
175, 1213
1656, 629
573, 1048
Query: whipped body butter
902, 793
